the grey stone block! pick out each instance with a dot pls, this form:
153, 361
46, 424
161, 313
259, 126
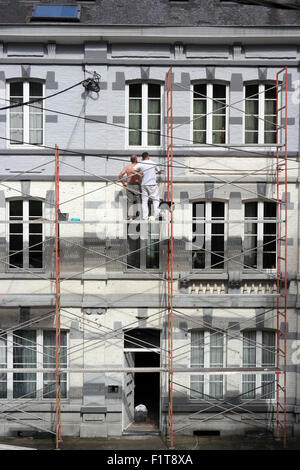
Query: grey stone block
93, 430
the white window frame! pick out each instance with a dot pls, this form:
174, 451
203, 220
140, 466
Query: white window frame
207, 364
208, 234
260, 235
209, 121
26, 114
144, 133
258, 377
25, 236
261, 114
39, 374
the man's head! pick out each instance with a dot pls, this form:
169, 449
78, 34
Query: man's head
145, 156
133, 159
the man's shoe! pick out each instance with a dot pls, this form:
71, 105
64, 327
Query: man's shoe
151, 218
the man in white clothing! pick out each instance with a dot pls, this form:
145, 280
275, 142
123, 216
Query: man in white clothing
149, 169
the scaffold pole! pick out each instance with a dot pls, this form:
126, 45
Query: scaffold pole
57, 297
281, 300
170, 249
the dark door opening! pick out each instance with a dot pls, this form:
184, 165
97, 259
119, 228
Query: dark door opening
147, 386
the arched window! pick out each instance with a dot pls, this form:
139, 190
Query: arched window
260, 114
144, 114
209, 113
26, 123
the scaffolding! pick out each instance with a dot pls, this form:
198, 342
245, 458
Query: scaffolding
281, 288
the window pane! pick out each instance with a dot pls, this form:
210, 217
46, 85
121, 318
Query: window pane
200, 91
219, 91
135, 90
154, 138
35, 90
252, 91
153, 122
199, 137
154, 106
153, 91
135, 106
135, 138
135, 122
199, 106
35, 209
16, 209
251, 138
251, 107
219, 137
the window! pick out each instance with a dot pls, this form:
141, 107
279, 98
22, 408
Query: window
209, 113
260, 114
143, 248
260, 235
25, 239
208, 248
31, 349
259, 351
26, 122
144, 114
56, 13
207, 350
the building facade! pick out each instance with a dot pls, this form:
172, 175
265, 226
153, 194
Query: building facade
113, 274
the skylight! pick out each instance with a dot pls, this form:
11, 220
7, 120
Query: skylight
56, 13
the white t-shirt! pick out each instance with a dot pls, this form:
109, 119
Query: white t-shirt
149, 168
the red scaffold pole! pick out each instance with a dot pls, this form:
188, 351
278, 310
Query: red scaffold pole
281, 181
57, 296
170, 250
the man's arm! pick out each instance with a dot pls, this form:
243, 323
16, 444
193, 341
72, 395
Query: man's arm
158, 170
121, 177
137, 170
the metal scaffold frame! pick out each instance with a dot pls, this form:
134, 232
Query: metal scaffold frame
170, 370
170, 247
281, 301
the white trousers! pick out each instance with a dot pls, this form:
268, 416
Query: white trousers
150, 191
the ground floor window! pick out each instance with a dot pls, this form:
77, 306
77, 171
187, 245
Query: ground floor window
31, 349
